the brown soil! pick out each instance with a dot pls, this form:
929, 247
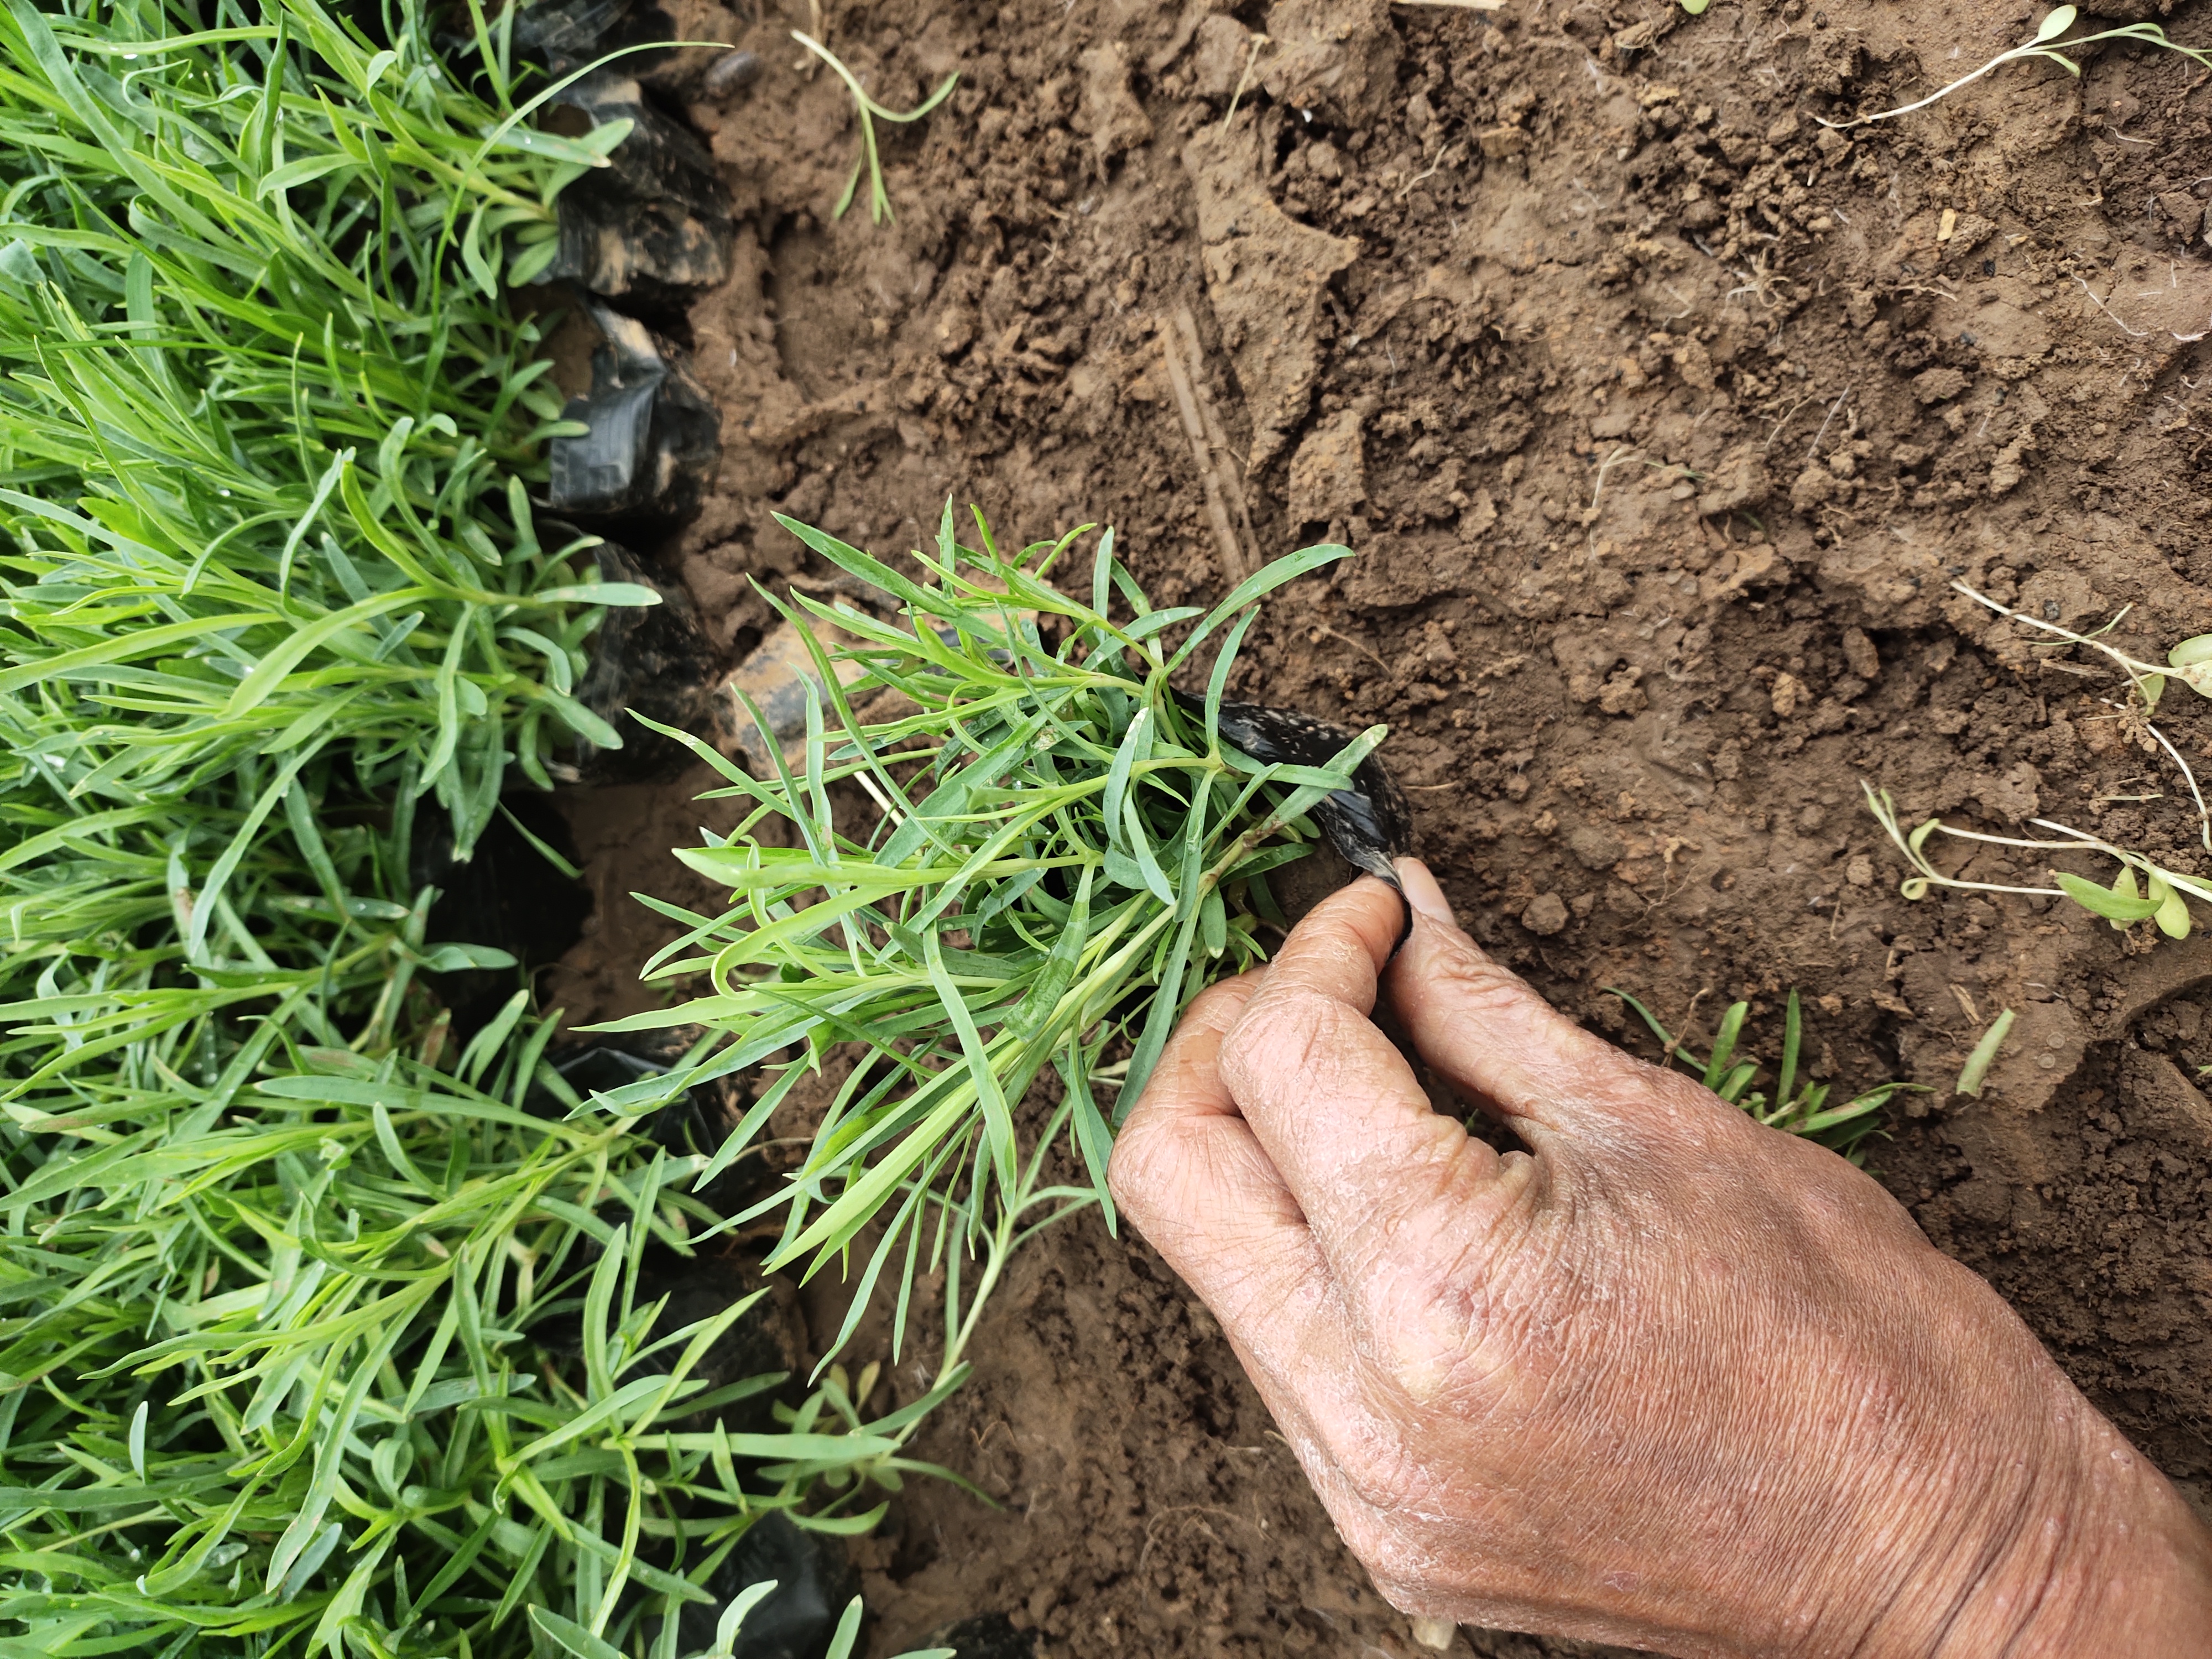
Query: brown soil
1663, 418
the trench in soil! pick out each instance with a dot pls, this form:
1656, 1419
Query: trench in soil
1663, 418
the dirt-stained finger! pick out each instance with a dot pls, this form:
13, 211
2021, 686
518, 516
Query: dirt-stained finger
1487, 1031
1188, 1173
1332, 1103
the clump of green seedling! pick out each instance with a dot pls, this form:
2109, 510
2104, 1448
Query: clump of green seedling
2045, 44
1056, 853
321, 1336
1796, 1105
264, 477
2143, 889
871, 112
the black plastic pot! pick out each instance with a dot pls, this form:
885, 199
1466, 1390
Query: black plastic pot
1370, 823
653, 440
654, 660
761, 1340
654, 226
813, 1582
505, 893
697, 1120
560, 35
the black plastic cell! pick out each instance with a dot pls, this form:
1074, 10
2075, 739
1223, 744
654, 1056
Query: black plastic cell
560, 35
1370, 823
655, 224
505, 893
814, 1580
654, 660
652, 436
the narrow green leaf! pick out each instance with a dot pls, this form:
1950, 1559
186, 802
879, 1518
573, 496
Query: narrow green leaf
1976, 1068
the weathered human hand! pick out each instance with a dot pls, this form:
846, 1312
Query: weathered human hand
1667, 1379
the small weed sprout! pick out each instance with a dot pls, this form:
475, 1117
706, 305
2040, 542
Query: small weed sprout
1800, 1108
1976, 1068
2044, 44
2161, 894
879, 201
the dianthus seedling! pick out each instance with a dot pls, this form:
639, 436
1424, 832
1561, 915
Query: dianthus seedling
221, 410
1800, 1107
2045, 44
320, 1339
879, 201
1044, 851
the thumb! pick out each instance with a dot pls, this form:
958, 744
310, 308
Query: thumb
1479, 1025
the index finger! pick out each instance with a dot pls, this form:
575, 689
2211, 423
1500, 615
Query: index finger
1186, 1170
1334, 1105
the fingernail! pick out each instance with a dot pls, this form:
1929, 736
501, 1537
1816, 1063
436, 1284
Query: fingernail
1423, 893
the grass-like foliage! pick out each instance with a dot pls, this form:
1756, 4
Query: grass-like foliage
267, 420
1796, 1104
319, 1335
1006, 845
361, 1350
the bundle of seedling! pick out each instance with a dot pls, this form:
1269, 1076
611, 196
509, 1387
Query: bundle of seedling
1004, 854
971, 897
322, 1331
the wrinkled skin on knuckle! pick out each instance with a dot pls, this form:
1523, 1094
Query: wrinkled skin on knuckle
1846, 1207
1662, 1114
1453, 1311
1140, 1172
1158, 1170
1294, 1031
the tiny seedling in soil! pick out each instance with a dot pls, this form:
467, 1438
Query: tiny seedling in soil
1799, 1106
879, 200
1049, 853
2045, 44
2161, 894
